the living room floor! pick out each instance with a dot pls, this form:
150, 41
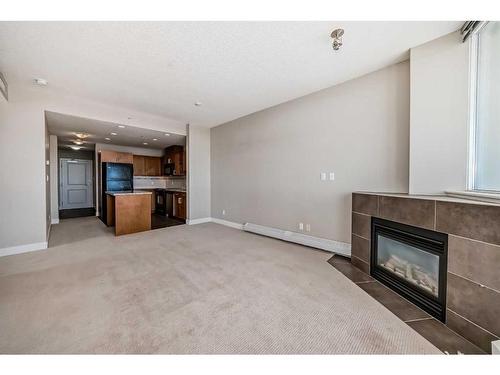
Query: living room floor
188, 289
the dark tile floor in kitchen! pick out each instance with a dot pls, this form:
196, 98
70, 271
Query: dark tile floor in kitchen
433, 330
161, 221
76, 212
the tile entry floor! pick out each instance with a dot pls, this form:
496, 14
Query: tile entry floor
433, 330
161, 221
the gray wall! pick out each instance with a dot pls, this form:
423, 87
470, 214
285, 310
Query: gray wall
22, 174
439, 115
265, 167
198, 162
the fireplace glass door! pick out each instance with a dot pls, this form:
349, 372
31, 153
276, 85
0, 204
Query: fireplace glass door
412, 261
409, 263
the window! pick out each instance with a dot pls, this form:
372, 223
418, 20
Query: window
486, 145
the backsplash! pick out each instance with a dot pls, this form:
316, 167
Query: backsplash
159, 182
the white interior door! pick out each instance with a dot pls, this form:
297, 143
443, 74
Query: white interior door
75, 184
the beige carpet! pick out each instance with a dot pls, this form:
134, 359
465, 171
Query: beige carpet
187, 289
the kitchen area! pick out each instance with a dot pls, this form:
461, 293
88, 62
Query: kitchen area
130, 179
142, 192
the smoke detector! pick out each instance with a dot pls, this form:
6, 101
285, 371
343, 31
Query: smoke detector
40, 82
336, 35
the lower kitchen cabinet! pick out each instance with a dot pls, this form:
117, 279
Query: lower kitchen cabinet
180, 205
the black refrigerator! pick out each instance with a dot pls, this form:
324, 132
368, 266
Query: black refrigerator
115, 177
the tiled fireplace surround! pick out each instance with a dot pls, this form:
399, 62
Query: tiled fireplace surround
473, 228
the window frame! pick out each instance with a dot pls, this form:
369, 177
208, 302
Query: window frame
474, 67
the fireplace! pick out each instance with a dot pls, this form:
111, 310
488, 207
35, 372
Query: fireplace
411, 261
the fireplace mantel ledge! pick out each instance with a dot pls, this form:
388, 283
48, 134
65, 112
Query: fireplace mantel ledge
448, 196
475, 195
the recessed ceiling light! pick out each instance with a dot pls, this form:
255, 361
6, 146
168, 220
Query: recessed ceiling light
198, 104
82, 135
155, 139
113, 133
78, 142
41, 82
107, 139
167, 135
121, 126
76, 148
145, 143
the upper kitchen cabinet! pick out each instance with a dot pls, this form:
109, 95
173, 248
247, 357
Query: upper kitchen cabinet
108, 156
175, 155
139, 165
147, 165
152, 165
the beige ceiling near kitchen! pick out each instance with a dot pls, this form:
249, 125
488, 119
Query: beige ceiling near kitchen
66, 127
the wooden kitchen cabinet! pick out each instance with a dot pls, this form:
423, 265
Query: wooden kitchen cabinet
147, 165
180, 205
139, 165
108, 156
175, 155
152, 166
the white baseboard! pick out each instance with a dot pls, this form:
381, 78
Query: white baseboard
227, 223
55, 221
199, 221
301, 239
23, 248
495, 347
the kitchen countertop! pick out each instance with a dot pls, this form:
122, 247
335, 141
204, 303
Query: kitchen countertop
177, 190
134, 192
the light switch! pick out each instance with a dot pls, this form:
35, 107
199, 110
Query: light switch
308, 227
323, 176
301, 226
332, 176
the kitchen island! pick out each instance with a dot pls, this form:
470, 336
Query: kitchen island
128, 211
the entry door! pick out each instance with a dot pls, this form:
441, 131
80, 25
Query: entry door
75, 184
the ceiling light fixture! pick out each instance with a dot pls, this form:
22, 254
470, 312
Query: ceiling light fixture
82, 135
78, 142
336, 35
107, 139
145, 143
41, 82
121, 126
198, 104
167, 135
113, 133
155, 139
76, 148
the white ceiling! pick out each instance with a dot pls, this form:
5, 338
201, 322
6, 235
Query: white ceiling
65, 127
233, 68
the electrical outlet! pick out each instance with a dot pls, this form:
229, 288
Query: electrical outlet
223, 212
308, 227
301, 226
332, 176
323, 176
